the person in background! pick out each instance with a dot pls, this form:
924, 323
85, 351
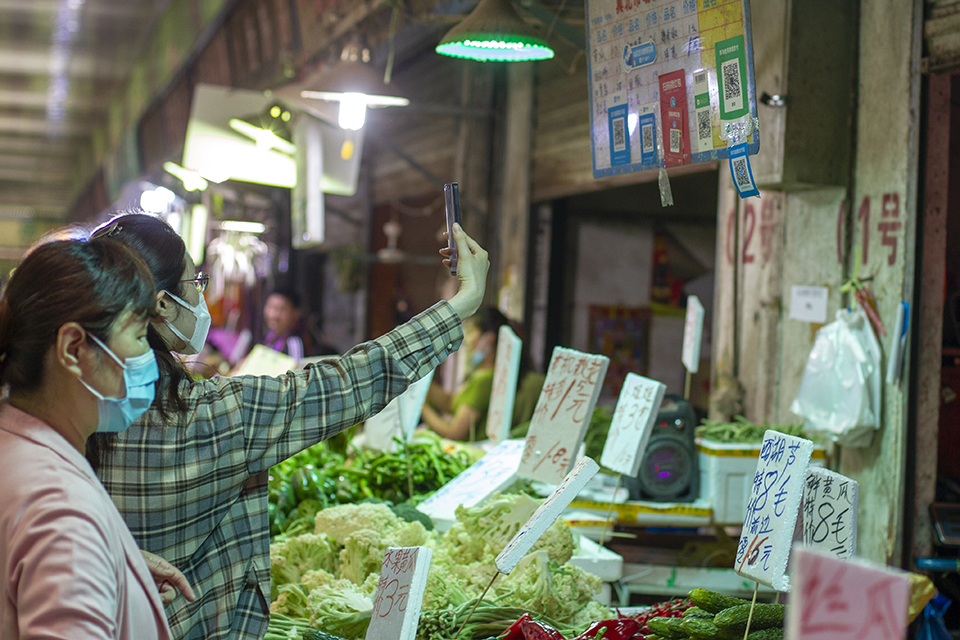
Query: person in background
285, 331
74, 360
190, 476
463, 414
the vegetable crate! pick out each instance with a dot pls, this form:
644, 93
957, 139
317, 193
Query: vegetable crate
726, 473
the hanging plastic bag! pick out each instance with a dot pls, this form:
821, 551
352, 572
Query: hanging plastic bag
932, 626
840, 391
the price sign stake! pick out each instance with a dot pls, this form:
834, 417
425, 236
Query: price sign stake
506, 369
772, 511
834, 599
399, 597
563, 412
830, 503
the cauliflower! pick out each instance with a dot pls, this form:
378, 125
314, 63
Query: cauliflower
291, 558
291, 601
361, 555
557, 591
340, 608
342, 521
408, 534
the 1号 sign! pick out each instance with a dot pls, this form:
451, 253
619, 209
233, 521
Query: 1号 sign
633, 420
506, 369
563, 412
399, 597
772, 511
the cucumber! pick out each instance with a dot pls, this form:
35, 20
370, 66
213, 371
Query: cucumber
773, 633
697, 612
667, 627
765, 616
712, 601
313, 634
703, 629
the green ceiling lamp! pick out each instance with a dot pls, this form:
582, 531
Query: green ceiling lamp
494, 31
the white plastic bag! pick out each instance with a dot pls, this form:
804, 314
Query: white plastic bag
839, 395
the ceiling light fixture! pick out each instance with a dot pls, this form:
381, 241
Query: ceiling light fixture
356, 85
265, 139
494, 31
192, 181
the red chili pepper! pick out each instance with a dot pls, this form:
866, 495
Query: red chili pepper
618, 629
534, 630
513, 632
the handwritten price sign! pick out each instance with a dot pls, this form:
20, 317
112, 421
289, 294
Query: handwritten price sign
633, 420
835, 599
545, 514
399, 418
692, 334
830, 503
396, 606
563, 412
772, 511
506, 368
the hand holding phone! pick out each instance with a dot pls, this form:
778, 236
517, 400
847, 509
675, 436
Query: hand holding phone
451, 194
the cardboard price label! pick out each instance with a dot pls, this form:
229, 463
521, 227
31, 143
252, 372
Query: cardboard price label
772, 511
836, 599
545, 514
563, 412
692, 334
632, 423
506, 369
399, 597
830, 503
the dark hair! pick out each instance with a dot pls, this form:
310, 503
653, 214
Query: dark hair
88, 282
289, 293
164, 253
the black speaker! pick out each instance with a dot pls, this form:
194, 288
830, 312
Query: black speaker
669, 470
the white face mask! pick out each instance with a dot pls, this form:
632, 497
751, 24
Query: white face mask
202, 314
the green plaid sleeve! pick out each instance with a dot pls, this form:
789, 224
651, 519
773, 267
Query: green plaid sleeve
289, 413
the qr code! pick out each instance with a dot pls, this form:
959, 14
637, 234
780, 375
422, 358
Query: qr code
674, 140
619, 135
704, 132
731, 80
647, 138
699, 78
741, 174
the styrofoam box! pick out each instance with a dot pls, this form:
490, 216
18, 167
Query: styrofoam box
726, 473
600, 561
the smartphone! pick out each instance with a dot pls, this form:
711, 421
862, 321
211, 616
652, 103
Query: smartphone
451, 194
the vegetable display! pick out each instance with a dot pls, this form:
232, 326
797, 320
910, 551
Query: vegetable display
742, 430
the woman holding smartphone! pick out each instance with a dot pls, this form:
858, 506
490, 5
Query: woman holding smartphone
190, 476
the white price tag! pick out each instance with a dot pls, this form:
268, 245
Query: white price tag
836, 599
809, 304
399, 597
830, 503
380, 429
772, 511
562, 415
692, 334
545, 514
491, 473
411, 404
632, 423
506, 369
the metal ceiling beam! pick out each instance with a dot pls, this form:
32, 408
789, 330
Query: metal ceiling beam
41, 62
36, 176
51, 7
38, 145
36, 162
15, 124
10, 98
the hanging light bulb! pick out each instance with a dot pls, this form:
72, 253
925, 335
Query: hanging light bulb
353, 111
494, 31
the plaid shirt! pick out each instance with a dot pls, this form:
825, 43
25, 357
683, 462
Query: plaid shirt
188, 489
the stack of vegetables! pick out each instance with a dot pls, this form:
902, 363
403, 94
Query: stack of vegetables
718, 617
326, 580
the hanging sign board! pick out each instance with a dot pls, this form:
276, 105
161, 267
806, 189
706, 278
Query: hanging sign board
506, 369
399, 597
771, 517
665, 52
837, 599
545, 514
562, 414
830, 503
632, 423
692, 334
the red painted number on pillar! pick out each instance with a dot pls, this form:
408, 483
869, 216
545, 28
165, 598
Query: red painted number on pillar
749, 223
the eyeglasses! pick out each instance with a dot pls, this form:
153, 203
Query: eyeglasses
200, 282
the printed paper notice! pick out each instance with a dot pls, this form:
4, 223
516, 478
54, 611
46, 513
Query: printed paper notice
809, 304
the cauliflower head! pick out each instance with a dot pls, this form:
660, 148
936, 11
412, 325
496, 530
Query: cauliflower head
342, 521
340, 608
293, 557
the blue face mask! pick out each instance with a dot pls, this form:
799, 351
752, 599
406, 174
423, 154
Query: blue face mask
140, 374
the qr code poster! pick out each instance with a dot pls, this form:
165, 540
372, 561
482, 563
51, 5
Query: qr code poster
632, 44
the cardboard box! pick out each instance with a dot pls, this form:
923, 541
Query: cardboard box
726, 473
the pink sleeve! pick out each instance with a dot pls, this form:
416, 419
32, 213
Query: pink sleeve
63, 576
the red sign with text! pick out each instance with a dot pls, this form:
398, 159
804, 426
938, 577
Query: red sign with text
673, 119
